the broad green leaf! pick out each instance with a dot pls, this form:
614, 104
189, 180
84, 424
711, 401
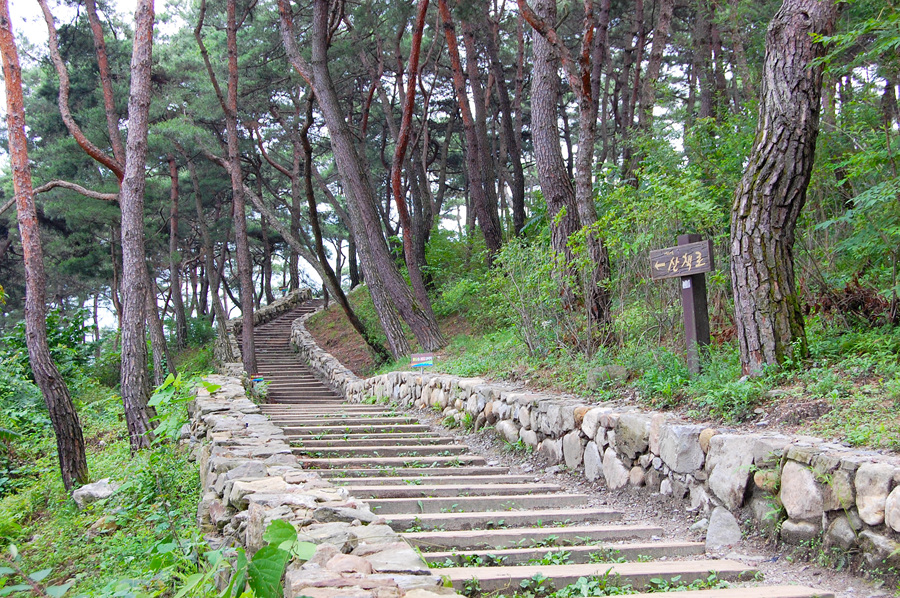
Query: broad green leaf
40, 575
6, 571
22, 587
58, 591
189, 584
265, 571
304, 550
279, 532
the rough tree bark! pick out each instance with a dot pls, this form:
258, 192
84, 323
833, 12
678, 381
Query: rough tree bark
63, 417
135, 388
772, 192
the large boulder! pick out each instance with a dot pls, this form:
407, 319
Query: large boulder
679, 447
632, 434
728, 463
800, 494
90, 493
873, 484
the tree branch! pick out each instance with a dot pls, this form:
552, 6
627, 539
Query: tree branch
63, 100
77, 188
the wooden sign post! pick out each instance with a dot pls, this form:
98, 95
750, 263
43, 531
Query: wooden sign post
690, 260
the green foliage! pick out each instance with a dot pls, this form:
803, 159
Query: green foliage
170, 400
29, 582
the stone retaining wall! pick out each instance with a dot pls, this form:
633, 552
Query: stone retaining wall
249, 478
260, 316
803, 488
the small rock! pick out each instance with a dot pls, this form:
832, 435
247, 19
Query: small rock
705, 437
840, 534
636, 477
723, 532
573, 449
767, 479
892, 510
700, 526
104, 525
593, 462
508, 430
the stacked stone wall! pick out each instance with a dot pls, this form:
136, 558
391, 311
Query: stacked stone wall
250, 477
802, 488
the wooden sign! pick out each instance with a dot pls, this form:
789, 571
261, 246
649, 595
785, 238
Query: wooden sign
688, 261
682, 260
421, 360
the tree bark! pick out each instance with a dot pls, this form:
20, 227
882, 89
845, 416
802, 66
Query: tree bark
480, 200
399, 159
63, 417
772, 192
135, 387
175, 259
553, 176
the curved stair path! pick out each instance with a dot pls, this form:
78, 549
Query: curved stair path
472, 520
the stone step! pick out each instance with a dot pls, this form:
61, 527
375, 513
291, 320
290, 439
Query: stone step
389, 462
524, 537
410, 490
575, 554
750, 592
335, 429
638, 575
500, 504
305, 401
376, 442
345, 452
378, 438
499, 519
330, 422
410, 472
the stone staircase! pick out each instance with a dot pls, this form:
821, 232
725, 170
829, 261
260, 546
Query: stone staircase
479, 526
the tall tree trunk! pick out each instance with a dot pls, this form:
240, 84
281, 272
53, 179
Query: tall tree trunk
175, 259
389, 290
63, 417
399, 159
553, 176
513, 148
480, 200
135, 387
654, 64
772, 192
242, 242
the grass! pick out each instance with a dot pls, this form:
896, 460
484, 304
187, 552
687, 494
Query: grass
148, 541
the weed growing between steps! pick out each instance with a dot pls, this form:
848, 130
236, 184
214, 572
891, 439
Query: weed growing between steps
606, 584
